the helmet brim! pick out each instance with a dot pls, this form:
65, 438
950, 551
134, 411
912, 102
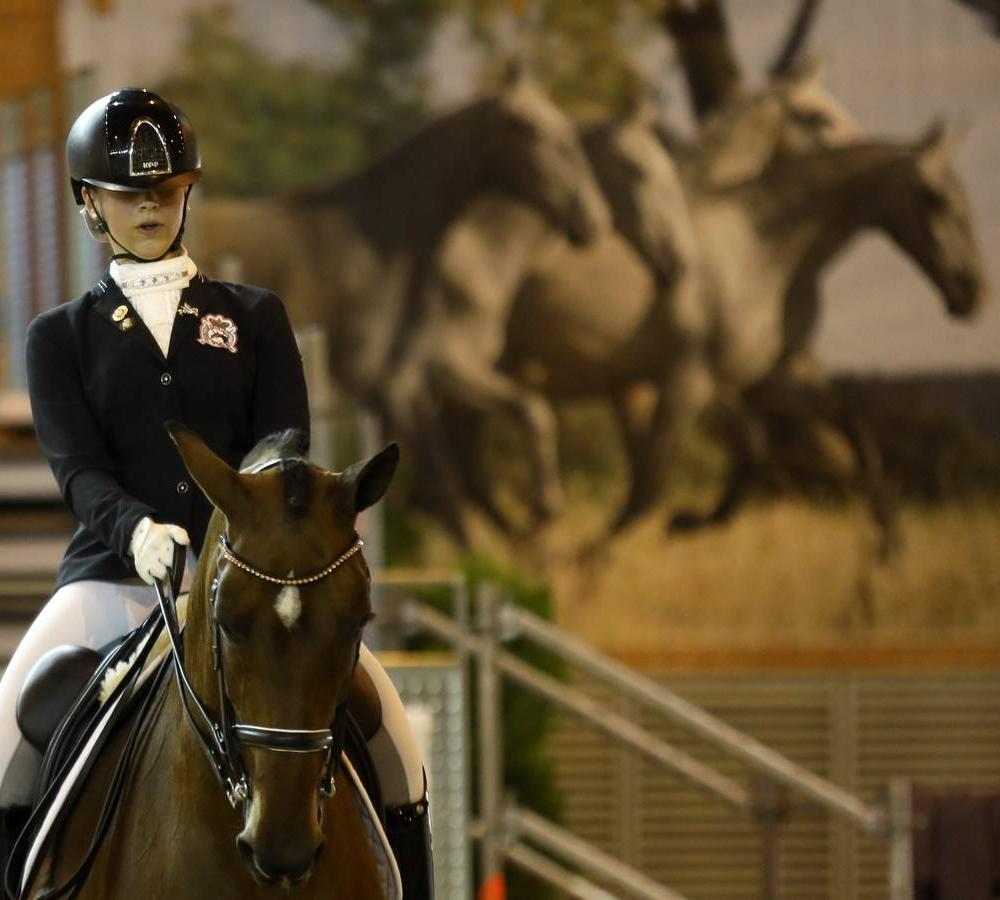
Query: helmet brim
138, 184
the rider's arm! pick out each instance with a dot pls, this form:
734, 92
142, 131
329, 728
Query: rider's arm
279, 396
71, 440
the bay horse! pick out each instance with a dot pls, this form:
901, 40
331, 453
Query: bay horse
274, 623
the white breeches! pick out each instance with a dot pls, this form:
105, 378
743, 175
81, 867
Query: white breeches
95, 613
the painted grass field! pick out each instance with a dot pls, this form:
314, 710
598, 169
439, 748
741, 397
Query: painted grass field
788, 572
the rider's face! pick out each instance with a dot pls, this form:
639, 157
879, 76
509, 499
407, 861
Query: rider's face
143, 223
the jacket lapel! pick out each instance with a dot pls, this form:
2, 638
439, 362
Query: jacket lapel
113, 309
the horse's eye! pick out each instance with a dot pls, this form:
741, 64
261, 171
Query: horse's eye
523, 126
232, 626
932, 198
632, 170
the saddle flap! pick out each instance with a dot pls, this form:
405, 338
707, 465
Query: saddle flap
50, 690
364, 704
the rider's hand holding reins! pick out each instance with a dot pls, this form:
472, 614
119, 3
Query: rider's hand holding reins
152, 548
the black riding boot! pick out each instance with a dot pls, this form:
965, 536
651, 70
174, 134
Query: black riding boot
409, 833
12, 822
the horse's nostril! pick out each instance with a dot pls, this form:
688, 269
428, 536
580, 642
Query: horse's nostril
246, 851
287, 873
251, 862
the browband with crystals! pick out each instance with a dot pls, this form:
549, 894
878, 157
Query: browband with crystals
230, 554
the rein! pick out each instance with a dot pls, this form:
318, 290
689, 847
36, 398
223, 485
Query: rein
222, 740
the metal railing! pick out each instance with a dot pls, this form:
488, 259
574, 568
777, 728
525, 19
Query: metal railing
503, 827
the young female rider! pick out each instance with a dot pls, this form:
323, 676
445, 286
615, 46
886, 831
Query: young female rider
156, 340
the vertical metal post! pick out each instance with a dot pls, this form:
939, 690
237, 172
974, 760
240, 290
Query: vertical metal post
771, 808
490, 753
900, 812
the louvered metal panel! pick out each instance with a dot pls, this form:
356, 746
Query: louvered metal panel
857, 729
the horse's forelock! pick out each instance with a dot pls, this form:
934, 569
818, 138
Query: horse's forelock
297, 475
290, 443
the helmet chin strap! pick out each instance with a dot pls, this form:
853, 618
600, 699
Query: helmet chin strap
101, 226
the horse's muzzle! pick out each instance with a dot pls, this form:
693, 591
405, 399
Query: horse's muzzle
287, 872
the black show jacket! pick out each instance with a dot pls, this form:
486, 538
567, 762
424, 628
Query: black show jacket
101, 391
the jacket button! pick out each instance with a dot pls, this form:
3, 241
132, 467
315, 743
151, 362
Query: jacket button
166, 378
182, 487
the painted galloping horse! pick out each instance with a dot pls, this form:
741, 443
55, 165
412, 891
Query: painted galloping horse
353, 256
275, 616
477, 273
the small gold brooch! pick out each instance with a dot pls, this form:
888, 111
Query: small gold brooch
126, 324
119, 313
186, 309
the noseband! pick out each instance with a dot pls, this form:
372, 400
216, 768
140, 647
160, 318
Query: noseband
222, 740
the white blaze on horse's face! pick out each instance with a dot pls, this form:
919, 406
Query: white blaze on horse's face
288, 606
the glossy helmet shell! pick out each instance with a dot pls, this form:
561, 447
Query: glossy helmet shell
131, 140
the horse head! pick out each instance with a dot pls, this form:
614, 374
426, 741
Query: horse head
792, 114
811, 116
530, 149
274, 628
644, 189
932, 222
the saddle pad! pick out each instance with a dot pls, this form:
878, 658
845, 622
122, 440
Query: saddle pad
67, 789
392, 881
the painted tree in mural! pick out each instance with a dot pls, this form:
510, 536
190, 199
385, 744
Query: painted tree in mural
274, 126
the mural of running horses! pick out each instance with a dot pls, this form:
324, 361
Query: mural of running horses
279, 521
498, 243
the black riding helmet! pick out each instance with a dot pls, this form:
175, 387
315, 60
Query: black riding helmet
132, 140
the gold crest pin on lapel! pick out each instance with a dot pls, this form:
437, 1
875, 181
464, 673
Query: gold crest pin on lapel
125, 324
120, 313
186, 309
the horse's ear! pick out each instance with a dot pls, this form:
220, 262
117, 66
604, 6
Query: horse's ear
366, 482
515, 71
219, 480
941, 137
804, 72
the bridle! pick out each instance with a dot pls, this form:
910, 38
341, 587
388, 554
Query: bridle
222, 740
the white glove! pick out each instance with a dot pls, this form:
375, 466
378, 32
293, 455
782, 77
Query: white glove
152, 548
